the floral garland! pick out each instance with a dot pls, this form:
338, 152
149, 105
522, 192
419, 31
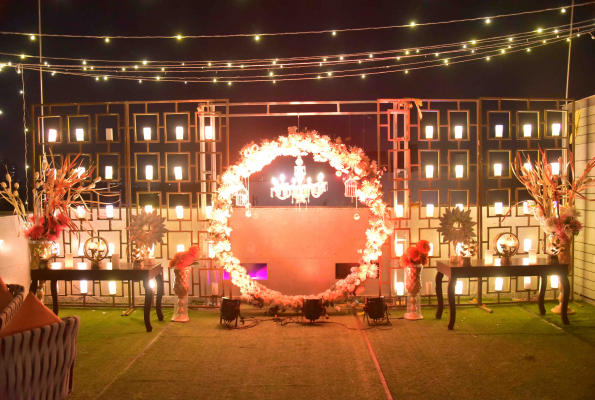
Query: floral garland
352, 162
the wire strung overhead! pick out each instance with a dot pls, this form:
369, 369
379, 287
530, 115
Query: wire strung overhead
333, 32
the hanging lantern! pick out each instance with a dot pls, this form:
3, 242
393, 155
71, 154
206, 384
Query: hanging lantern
350, 187
242, 197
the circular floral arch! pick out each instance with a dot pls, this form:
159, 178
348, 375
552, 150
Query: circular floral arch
351, 162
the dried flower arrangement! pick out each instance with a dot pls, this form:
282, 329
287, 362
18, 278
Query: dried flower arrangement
56, 192
146, 230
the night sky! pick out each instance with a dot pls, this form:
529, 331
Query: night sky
541, 73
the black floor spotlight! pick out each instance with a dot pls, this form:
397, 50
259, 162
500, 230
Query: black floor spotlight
313, 309
376, 309
230, 311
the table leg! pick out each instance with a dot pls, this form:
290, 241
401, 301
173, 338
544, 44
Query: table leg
160, 290
452, 303
439, 276
148, 301
542, 290
54, 291
34, 285
479, 291
565, 297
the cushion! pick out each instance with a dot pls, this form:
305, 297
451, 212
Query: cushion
31, 315
5, 295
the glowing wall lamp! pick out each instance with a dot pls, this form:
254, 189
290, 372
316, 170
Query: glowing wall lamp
180, 248
80, 135
399, 210
83, 285
556, 129
527, 130
555, 168
111, 248
80, 212
180, 212
429, 171
555, 281
109, 134
399, 248
400, 288
208, 133
109, 172
527, 245
460, 206
499, 284
459, 287
497, 169
430, 211
527, 282
208, 211
80, 171
498, 207
148, 208
458, 132
489, 257
429, 132
112, 288
532, 256
430, 254
499, 131
179, 132
178, 173
52, 135
147, 133
459, 171
149, 172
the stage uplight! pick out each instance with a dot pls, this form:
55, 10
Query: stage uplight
230, 311
313, 309
376, 309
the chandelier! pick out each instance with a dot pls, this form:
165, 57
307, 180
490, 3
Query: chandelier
298, 190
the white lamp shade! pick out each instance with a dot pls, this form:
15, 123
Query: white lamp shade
179, 212
149, 172
499, 131
80, 135
555, 281
180, 248
112, 288
527, 282
109, 172
458, 132
429, 171
208, 132
109, 134
400, 288
498, 207
430, 211
430, 254
527, 245
208, 211
109, 211
429, 131
460, 206
459, 287
399, 210
499, 284
80, 171
555, 168
489, 257
83, 285
179, 132
399, 249
556, 129
527, 130
459, 170
111, 248
148, 208
497, 169
80, 212
52, 135
178, 173
147, 133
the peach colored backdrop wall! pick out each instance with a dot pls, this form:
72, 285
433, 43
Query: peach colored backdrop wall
300, 247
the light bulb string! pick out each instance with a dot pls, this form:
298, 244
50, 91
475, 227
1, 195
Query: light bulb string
236, 63
323, 31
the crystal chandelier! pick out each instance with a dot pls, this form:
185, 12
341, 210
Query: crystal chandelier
298, 190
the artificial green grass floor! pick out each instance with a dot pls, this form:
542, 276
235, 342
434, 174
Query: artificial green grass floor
513, 353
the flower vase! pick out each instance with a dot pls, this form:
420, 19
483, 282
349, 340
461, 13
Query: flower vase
564, 255
181, 287
40, 253
413, 284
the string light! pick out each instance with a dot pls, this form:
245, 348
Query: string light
22, 56
488, 21
412, 23
563, 10
140, 81
257, 38
32, 37
334, 33
229, 83
105, 78
179, 37
363, 76
144, 62
106, 40
539, 30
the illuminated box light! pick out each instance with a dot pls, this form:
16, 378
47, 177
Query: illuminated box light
148, 208
459, 169
399, 249
431, 253
556, 129
56, 265
526, 209
112, 288
499, 131
527, 245
489, 257
149, 172
52, 135
179, 132
498, 207
533, 256
460, 206
83, 285
109, 211
208, 211
499, 284
497, 169
555, 281
528, 166
109, 172
399, 210
111, 248
80, 135
430, 211
180, 248
81, 265
178, 173
555, 168
80, 171
208, 133
429, 132
109, 134
527, 130
459, 287
80, 212
429, 171
400, 288
68, 261
458, 132
179, 212
147, 133
527, 282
